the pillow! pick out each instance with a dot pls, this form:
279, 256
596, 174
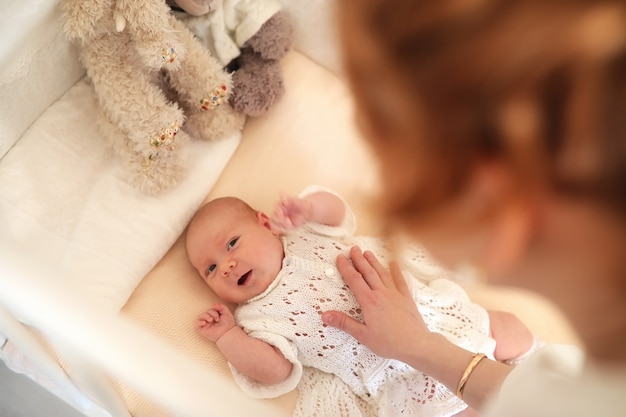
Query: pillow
64, 200
315, 31
38, 64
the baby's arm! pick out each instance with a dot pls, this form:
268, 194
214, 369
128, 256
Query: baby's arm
319, 207
254, 358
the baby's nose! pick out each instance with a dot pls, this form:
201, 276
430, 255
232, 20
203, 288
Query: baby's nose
228, 266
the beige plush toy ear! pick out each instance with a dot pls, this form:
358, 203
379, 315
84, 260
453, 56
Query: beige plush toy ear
80, 17
196, 7
120, 22
147, 23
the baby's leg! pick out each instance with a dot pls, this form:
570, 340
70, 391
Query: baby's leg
513, 338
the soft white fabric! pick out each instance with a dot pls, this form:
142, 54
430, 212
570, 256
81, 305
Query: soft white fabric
326, 395
556, 382
225, 30
315, 31
287, 315
313, 23
37, 65
64, 200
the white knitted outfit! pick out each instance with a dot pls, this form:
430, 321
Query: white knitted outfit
287, 315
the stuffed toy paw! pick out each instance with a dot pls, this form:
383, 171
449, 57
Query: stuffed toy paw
258, 77
157, 87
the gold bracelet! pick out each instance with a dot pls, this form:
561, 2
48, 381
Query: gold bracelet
468, 371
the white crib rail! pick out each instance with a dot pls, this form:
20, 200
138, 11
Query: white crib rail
100, 342
24, 354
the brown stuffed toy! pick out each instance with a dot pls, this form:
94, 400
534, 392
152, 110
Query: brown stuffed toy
249, 38
138, 56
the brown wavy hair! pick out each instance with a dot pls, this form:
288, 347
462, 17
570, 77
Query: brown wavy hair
442, 85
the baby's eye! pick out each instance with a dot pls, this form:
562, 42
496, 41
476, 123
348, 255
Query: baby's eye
210, 269
232, 242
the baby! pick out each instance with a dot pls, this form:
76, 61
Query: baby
281, 273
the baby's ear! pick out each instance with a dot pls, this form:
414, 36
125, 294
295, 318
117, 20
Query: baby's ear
266, 222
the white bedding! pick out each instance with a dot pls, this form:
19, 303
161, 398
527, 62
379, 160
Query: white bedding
66, 202
38, 65
63, 197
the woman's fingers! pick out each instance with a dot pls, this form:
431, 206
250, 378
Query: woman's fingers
343, 322
385, 277
375, 273
365, 268
353, 278
398, 279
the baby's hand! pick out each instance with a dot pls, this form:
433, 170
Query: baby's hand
215, 322
291, 212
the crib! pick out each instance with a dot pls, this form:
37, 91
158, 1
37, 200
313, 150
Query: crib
97, 299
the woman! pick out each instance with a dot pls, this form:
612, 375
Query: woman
500, 127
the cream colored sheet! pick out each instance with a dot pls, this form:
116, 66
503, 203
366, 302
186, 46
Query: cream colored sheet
308, 138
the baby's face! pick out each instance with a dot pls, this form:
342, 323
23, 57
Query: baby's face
237, 256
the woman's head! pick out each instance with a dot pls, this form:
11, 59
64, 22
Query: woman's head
537, 87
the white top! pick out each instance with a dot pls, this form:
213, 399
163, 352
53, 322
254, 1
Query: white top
287, 315
225, 30
555, 382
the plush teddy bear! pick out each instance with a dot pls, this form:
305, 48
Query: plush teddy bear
249, 38
155, 83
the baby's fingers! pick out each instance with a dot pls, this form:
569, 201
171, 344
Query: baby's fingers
205, 318
202, 323
214, 314
280, 219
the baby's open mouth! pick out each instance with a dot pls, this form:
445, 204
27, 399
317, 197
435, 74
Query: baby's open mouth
244, 278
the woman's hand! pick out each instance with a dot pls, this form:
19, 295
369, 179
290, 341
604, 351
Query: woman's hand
393, 328
392, 325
